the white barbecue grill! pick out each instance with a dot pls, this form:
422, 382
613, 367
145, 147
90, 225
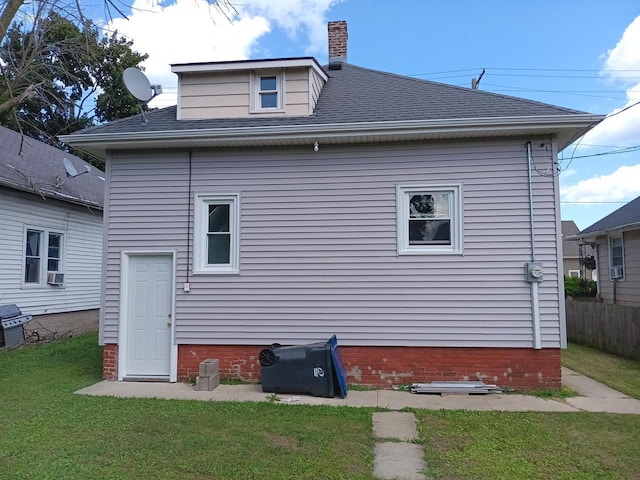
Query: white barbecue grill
12, 323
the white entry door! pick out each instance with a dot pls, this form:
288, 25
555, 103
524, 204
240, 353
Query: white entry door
148, 322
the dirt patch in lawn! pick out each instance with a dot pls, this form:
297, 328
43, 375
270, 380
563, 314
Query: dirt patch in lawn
61, 325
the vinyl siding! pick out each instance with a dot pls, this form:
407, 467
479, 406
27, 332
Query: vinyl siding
221, 95
82, 256
627, 289
318, 245
315, 87
227, 94
297, 91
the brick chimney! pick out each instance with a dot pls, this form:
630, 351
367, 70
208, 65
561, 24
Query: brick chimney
337, 43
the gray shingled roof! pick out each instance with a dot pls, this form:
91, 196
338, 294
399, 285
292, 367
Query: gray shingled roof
355, 95
627, 215
30, 165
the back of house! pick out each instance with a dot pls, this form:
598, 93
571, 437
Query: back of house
283, 201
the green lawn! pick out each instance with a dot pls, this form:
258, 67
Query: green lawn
618, 373
46, 431
532, 445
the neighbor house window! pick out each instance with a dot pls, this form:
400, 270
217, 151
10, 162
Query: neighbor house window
43, 253
217, 234
616, 257
267, 92
574, 273
429, 219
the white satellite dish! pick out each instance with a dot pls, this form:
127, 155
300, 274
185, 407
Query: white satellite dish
138, 84
68, 166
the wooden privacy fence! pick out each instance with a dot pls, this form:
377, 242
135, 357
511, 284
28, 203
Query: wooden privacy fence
605, 326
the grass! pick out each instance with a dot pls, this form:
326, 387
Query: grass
530, 445
46, 431
616, 372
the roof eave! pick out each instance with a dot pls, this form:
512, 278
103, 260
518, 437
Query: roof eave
566, 127
50, 194
591, 236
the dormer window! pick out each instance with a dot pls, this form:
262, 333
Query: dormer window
268, 92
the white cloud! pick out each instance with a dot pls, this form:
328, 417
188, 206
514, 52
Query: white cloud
623, 184
626, 54
296, 18
622, 129
185, 31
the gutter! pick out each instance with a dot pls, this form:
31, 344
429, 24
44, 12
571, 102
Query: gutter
335, 132
51, 194
592, 235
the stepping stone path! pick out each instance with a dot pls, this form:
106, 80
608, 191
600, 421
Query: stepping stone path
398, 459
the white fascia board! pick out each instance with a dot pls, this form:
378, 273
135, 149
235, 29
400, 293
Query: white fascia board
307, 62
591, 236
499, 125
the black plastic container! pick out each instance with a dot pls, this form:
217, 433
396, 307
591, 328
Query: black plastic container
306, 369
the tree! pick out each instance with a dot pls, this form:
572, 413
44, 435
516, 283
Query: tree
10, 11
66, 68
116, 56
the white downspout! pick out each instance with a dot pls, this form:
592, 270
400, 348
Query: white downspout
535, 298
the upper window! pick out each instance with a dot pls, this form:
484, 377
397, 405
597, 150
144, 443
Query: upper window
267, 92
429, 219
616, 257
217, 234
43, 249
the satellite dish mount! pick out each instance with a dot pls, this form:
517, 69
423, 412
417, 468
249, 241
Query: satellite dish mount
139, 86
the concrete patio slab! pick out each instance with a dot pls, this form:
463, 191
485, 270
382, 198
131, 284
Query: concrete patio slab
398, 460
595, 397
397, 425
606, 405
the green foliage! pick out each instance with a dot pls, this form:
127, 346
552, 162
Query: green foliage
67, 68
579, 287
115, 101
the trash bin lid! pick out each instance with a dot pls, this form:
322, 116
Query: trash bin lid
338, 367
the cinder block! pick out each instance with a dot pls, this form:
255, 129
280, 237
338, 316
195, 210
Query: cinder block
204, 384
209, 367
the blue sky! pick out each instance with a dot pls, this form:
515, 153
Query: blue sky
581, 54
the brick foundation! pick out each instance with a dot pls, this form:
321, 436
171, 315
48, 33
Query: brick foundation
519, 368
110, 362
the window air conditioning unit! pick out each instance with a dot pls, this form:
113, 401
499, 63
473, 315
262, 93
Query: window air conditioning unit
55, 278
616, 273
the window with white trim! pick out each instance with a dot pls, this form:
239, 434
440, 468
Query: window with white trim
43, 252
574, 274
429, 219
268, 92
616, 257
217, 233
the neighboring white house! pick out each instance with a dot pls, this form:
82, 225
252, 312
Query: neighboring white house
282, 201
51, 207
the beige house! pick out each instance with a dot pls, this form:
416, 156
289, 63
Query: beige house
616, 239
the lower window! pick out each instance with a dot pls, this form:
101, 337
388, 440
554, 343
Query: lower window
43, 254
217, 233
429, 219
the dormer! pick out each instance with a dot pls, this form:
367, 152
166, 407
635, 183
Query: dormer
248, 88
